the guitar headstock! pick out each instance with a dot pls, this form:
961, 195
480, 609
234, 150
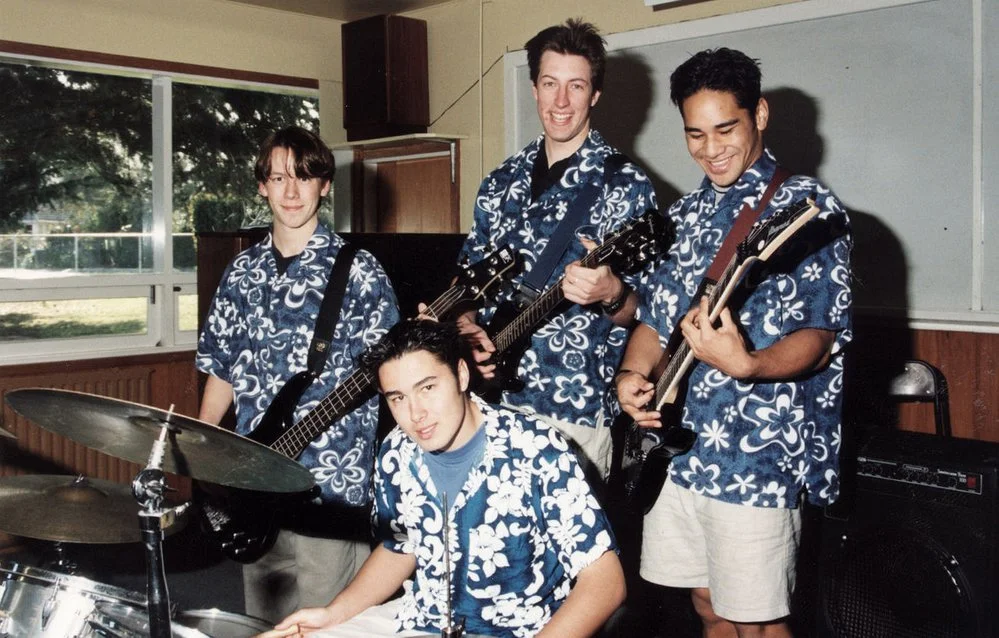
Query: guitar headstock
477, 281
634, 244
768, 235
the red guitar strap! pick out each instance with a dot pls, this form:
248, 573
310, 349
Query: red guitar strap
743, 223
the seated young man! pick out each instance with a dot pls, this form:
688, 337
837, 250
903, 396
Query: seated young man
529, 549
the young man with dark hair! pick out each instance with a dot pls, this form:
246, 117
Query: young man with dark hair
567, 172
527, 550
765, 395
257, 336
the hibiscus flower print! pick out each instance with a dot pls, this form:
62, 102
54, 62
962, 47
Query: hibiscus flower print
703, 479
572, 390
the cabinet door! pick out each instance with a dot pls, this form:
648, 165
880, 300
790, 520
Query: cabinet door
410, 189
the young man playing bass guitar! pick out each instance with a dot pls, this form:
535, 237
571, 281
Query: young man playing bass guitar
764, 397
257, 337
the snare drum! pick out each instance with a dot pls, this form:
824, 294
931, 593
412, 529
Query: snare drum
36, 603
120, 621
222, 624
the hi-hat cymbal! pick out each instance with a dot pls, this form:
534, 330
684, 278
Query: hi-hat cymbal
71, 509
129, 430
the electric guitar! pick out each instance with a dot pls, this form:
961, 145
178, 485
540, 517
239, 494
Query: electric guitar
652, 450
242, 522
626, 250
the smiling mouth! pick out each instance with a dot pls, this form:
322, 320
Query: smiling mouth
561, 119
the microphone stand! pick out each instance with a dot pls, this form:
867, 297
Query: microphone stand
148, 488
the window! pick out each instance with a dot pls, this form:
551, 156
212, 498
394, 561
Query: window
106, 176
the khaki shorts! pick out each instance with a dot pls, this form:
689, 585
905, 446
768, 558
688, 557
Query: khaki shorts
744, 555
593, 445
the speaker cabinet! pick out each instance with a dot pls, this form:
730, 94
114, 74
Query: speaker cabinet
385, 87
915, 553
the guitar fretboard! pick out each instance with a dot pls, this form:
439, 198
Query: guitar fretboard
346, 396
545, 303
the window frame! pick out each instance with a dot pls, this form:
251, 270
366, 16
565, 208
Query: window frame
163, 286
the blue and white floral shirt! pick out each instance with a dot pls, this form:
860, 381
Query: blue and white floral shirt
257, 336
761, 443
524, 525
569, 367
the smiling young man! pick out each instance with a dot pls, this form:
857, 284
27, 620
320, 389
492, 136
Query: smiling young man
567, 173
765, 395
257, 336
530, 552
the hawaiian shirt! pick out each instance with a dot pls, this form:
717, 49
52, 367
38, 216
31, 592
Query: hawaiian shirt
522, 528
257, 336
761, 443
569, 367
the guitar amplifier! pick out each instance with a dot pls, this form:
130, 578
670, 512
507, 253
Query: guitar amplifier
915, 553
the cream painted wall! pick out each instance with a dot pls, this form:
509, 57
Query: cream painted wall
455, 47
209, 32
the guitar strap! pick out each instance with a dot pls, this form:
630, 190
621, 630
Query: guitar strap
534, 281
330, 309
740, 229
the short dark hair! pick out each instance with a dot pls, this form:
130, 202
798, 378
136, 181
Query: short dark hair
312, 157
440, 339
722, 69
575, 37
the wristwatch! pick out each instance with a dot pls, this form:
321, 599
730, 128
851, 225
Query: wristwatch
614, 306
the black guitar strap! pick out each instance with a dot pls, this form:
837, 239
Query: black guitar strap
330, 309
559, 241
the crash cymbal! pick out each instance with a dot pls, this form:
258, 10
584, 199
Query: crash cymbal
71, 509
129, 430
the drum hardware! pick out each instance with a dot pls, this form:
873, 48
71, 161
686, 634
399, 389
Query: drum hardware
142, 434
450, 628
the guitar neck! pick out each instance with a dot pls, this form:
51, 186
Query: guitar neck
682, 360
335, 406
540, 308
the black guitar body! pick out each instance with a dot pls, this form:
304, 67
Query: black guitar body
244, 524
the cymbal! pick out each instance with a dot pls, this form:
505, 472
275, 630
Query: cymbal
128, 431
71, 509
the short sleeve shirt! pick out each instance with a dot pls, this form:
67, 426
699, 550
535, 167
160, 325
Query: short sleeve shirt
523, 526
570, 362
761, 443
257, 336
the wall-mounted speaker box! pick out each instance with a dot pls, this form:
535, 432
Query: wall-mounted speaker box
913, 552
385, 86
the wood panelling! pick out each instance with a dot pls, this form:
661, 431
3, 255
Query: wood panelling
967, 360
159, 381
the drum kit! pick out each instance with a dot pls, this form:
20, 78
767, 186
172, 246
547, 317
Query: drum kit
38, 603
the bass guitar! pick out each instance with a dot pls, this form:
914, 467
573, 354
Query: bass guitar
652, 450
242, 524
625, 251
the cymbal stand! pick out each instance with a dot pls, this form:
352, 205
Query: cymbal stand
148, 488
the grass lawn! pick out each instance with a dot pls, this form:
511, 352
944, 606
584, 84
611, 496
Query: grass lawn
63, 319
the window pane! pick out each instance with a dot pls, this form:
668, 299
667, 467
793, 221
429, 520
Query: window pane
216, 134
75, 172
187, 312
66, 318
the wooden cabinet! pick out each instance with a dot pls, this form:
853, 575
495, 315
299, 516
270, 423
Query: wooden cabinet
385, 86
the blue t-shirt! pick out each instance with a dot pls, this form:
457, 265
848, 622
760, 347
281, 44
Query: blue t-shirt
450, 469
